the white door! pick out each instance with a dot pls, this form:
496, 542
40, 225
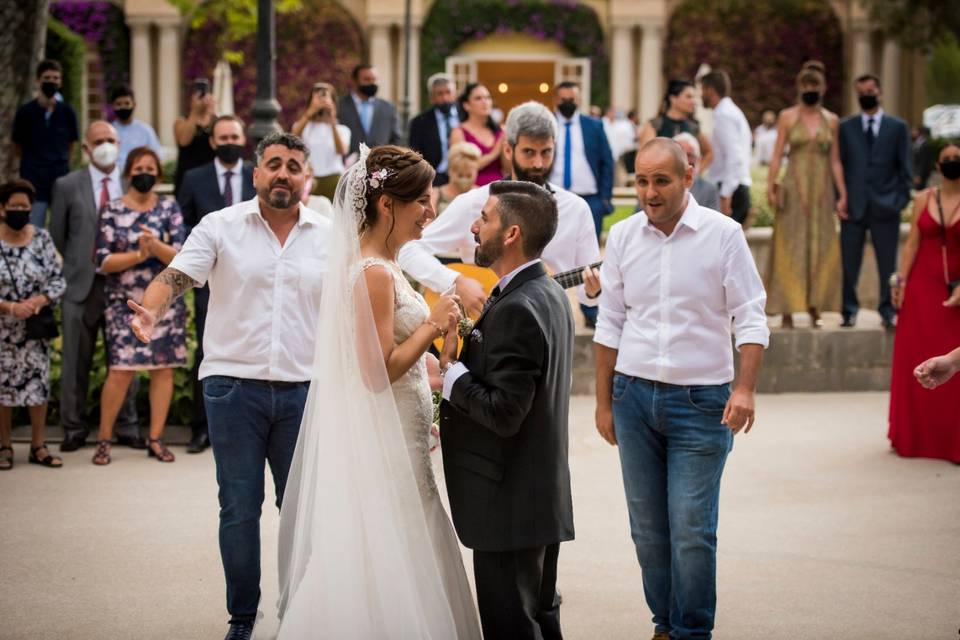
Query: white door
575, 70
463, 70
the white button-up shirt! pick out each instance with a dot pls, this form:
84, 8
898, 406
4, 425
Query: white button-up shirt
114, 186
732, 143
574, 245
264, 298
865, 119
668, 301
236, 178
582, 180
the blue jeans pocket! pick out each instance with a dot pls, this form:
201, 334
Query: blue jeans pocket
219, 387
620, 385
709, 399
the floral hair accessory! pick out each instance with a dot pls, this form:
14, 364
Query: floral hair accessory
378, 178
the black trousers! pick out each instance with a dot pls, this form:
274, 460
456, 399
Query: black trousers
885, 236
201, 298
517, 593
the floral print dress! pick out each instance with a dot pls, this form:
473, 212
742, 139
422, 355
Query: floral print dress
25, 364
120, 229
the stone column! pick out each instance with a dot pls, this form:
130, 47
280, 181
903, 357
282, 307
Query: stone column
381, 57
169, 83
416, 84
141, 70
621, 67
891, 77
861, 62
651, 70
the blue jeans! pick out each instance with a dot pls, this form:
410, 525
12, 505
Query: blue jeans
251, 422
672, 451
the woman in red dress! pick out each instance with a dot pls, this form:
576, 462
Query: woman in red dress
926, 423
477, 126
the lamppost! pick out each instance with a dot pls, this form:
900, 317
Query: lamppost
405, 102
265, 108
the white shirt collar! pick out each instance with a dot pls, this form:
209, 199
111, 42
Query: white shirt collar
307, 215
876, 117
692, 216
237, 169
505, 280
573, 120
98, 175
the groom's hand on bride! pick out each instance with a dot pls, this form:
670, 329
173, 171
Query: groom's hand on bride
739, 412
471, 295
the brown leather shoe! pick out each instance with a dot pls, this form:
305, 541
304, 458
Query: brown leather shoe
661, 636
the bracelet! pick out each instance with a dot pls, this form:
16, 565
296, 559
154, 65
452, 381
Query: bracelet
440, 332
444, 369
895, 280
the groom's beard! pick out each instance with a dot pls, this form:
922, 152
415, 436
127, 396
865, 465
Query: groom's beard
536, 176
487, 252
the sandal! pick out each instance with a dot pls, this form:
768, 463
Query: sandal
162, 454
102, 455
6, 461
48, 460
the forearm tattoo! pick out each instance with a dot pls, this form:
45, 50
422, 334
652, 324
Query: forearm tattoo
178, 282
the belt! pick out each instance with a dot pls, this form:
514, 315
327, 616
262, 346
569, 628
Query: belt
281, 384
666, 385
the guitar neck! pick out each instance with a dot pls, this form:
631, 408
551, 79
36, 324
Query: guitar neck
574, 277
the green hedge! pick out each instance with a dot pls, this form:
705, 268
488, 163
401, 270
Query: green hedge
70, 51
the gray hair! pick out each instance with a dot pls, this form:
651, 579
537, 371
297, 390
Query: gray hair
530, 119
283, 139
438, 79
690, 139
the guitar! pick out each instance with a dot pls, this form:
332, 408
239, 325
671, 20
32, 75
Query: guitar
573, 277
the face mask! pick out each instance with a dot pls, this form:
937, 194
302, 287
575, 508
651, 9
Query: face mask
868, 103
49, 89
143, 182
567, 108
950, 170
368, 90
16, 220
123, 114
445, 108
105, 155
810, 98
229, 153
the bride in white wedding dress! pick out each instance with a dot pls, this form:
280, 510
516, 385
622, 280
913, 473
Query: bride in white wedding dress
366, 548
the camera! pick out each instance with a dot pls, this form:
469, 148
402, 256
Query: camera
200, 86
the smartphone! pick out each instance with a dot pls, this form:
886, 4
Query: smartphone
200, 86
320, 90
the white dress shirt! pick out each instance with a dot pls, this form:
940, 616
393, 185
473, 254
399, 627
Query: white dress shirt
115, 186
732, 143
668, 301
324, 159
574, 244
864, 119
458, 368
264, 298
582, 180
236, 178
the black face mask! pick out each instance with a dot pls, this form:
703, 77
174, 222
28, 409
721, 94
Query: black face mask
810, 98
368, 90
16, 220
143, 182
123, 114
868, 103
445, 108
49, 89
949, 168
229, 153
567, 108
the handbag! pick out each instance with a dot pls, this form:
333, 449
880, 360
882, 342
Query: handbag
43, 325
951, 284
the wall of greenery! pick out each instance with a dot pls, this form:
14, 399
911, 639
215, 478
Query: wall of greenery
69, 49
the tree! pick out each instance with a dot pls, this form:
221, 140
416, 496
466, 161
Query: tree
21, 45
916, 23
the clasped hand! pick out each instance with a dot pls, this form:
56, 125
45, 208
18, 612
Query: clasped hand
27, 308
148, 243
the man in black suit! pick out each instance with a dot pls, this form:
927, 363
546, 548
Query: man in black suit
370, 119
430, 131
875, 153
504, 421
222, 183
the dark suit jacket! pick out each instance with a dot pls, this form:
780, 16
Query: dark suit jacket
425, 137
599, 156
504, 430
384, 128
879, 177
74, 224
200, 192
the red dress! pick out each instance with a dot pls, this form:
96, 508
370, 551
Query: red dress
926, 423
492, 171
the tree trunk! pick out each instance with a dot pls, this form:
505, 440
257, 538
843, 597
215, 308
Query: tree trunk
21, 46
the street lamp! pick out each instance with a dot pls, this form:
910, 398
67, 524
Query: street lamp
265, 108
405, 102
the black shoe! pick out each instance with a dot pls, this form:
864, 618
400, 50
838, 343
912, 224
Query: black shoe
198, 442
239, 631
73, 441
849, 322
134, 442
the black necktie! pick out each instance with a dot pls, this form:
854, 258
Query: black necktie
869, 133
493, 296
228, 188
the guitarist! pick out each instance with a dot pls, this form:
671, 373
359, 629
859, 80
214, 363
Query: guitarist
531, 132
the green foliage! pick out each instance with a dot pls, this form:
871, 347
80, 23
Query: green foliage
943, 72
916, 23
69, 50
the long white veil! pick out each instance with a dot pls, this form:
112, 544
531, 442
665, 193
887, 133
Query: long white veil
355, 556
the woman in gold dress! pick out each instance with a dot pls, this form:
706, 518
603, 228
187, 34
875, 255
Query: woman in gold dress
804, 270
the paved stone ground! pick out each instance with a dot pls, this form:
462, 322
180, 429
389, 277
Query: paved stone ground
824, 534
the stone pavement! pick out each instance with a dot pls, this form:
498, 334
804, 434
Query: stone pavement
823, 534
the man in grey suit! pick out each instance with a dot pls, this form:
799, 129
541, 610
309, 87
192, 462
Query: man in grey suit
370, 119
875, 152
77, 201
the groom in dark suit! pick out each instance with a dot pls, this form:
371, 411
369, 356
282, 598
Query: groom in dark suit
504, 421
875, 152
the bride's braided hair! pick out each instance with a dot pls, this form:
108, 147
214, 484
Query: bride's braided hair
407, 176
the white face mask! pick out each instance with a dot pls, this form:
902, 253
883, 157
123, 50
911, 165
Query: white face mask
105, 155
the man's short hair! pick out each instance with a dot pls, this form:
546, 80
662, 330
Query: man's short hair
690, 139
671, 147
283, 139
121, 91
719, 81
360, 67
867, 77
438, 79
530, 119
48, 65
227, 117
530, 207
567, 84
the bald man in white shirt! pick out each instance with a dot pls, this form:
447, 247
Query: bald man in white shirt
675, 277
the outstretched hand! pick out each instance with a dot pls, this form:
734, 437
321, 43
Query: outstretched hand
143, 322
